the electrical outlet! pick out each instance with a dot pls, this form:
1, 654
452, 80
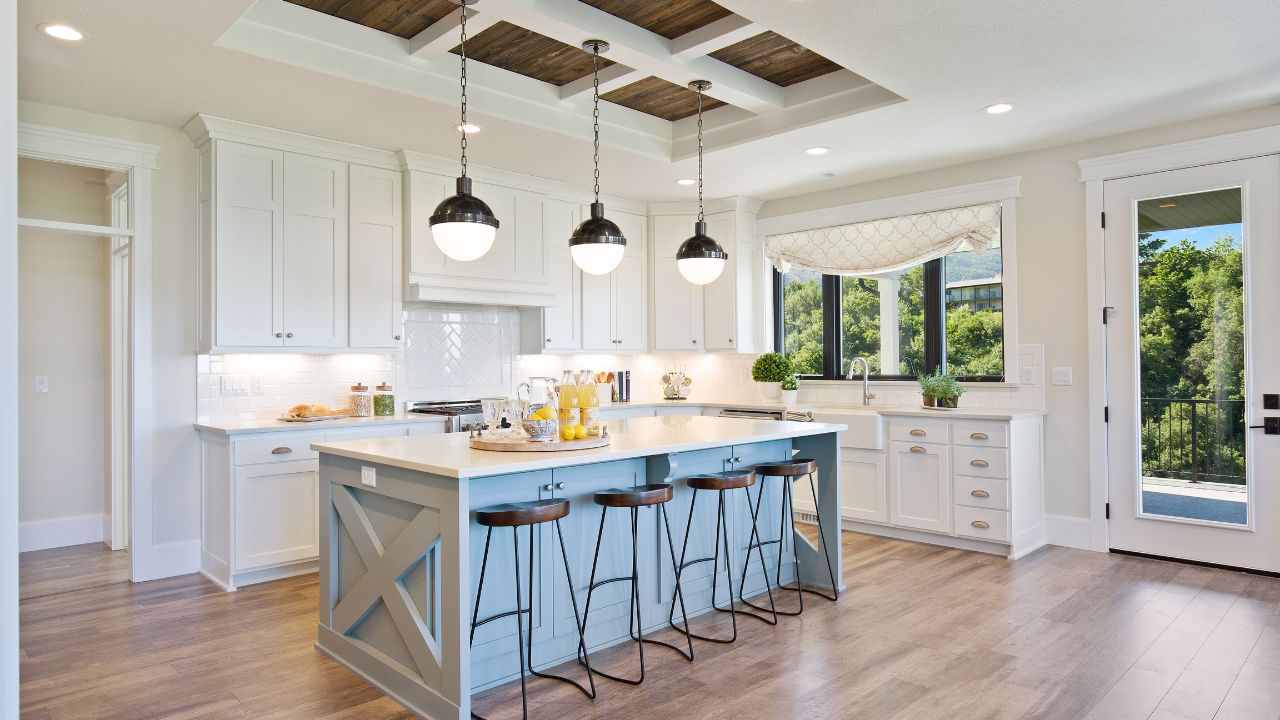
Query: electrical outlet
369, 476
257, 385
1062, 376
42, 384
1030, 375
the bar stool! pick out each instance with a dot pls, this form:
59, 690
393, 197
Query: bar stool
719, 483
515, 516
788, 471
633, 498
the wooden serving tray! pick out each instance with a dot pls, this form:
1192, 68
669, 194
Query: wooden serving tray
519, 444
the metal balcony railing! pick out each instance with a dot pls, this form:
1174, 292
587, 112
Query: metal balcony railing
1194, 440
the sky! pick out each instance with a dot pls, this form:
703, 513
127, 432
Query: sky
1201, 237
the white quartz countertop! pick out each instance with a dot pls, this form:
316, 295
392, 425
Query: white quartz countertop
451, 456
262, 425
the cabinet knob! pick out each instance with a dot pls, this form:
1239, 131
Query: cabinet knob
981, 524
978, 436
917, 432
918, 449
695, 342
737, 459
397, 338
980, 493
548, 340
288, 335
547, 487
979, 463
279, 335
730, 339
559, 486
282, 451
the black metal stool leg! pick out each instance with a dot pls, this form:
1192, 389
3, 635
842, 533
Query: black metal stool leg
764, 568
515, 546
826, 551
721, 523
822, 540
591, 586
580, 623
679, 593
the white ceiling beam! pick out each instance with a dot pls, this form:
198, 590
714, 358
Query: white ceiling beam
710, 38
442, 35
611, 78
573, 22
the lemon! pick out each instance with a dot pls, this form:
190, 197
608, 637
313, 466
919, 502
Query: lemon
567, 432
579, 432
543, 413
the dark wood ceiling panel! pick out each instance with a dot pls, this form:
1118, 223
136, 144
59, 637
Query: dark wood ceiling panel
405, 18
776, 59
669, 18
660, 98
513, 48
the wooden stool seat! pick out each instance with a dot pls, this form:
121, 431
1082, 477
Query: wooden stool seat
729, 480
519, 514
792, 468
634, 497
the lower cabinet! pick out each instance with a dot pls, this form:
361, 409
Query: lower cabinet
863, 494
275, 513
920, 486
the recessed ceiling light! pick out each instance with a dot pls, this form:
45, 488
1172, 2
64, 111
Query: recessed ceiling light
828, 174
818, 150
469, 128
62, 32
998, 108
686, 181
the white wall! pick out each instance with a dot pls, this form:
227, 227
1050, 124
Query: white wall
62, 335
8, 359
174, 460
1051, 270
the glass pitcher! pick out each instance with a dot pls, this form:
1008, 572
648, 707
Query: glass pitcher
537, 392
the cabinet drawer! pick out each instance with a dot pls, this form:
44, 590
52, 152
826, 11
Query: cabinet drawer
918, 430
980, 434
992, 493
278, 447
982, 523
980, 462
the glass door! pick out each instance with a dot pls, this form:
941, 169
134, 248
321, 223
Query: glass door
1192, 341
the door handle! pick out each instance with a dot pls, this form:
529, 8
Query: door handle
980, 493
979, 463
918, 449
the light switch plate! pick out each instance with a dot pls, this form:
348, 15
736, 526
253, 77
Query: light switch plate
1062, 376
369, 476
42, 384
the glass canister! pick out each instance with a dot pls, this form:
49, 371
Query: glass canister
360, 403
384, 402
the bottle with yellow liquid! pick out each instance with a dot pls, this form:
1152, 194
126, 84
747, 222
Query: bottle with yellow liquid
570, 405
589, 403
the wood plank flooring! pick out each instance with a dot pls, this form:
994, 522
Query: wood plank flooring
923, 633
64, 569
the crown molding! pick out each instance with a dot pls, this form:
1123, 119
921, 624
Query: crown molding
203, 128
1220, 148
70, 146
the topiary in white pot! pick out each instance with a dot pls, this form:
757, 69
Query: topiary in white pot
769, 370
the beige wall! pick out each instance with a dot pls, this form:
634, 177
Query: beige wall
175, 466
1053, 307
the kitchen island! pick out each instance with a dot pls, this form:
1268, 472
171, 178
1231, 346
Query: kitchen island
400, 552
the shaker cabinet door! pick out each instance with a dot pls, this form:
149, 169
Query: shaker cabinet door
375, 258
597, 313
315, 252
275, 514
629, 304
248, 255
920, 486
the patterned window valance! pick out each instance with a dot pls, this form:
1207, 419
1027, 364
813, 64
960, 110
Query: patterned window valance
888, 245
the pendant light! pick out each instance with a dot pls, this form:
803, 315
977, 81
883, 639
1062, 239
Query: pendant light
463, 226
597, 244
700, 258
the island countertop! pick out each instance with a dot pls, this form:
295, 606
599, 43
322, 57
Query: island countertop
451, 456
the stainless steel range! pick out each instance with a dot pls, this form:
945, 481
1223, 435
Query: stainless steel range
459, 415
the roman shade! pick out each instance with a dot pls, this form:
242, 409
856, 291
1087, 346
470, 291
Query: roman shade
889, 245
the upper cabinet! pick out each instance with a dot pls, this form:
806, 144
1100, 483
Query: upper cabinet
299, 247
614, 304
677, 303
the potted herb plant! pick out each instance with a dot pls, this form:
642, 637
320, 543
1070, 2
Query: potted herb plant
790, 389
769, 370
930, 388
949, 392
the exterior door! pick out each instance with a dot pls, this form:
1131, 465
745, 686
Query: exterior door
1192, 340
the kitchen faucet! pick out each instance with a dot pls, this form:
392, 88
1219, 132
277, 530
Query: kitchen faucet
867, 396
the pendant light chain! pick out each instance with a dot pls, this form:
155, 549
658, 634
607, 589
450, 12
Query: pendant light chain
462, 128
700, 216
595, 114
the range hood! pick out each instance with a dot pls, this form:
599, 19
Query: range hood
496, 295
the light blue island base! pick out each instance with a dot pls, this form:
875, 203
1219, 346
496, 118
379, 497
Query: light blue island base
400, 559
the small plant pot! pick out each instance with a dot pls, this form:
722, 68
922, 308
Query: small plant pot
929, 401
771, 390
950, 403
790, 397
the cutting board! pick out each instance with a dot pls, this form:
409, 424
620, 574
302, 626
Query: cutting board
524, 444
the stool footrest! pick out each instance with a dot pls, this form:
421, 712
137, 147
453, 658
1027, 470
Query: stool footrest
499, 616
620, 578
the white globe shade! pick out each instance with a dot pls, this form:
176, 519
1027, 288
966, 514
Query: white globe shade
463, 241
700, 271
597, 258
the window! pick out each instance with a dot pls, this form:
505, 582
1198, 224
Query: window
943, 312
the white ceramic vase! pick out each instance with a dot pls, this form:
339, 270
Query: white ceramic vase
771, 390
789, 397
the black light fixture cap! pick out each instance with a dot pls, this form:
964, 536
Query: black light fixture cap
463, 207
597, 230
701, 246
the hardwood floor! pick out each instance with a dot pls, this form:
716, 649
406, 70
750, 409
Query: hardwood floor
923, 632
78, 567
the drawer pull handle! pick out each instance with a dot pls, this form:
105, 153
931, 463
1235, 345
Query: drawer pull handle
978, 436
979, 463
917, 432
282, 451
979, 493
917, 449
981, 524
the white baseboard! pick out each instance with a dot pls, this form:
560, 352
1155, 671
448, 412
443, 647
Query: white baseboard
61, 532
174, 558
1069, 531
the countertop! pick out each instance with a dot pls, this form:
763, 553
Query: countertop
451, 456
265, 425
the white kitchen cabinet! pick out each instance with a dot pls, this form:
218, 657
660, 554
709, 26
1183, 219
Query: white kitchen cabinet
920, 486
314, 267
376, 258
727, 299
677, 303
275, 512
863, 493
556, 327
613, 305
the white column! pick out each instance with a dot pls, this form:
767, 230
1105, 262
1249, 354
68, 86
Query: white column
888, 286
9, 359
